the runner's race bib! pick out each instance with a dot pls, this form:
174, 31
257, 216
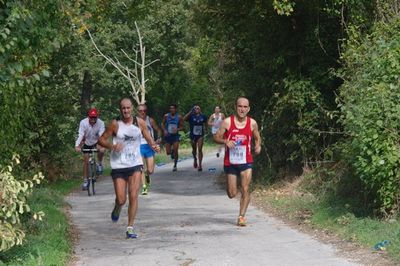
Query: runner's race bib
128, 154
198, 130
237, 155
172, 128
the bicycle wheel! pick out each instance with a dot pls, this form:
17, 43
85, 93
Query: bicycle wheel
88, 188
93, 176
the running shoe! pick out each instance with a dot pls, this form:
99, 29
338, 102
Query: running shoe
145, 190
241, 221
217, 154
200, 169
85, 184
174, 169
99, 169
195, 163
130, 233
115, 213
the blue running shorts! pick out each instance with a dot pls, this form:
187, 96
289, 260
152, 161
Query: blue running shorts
146, 151
170, 139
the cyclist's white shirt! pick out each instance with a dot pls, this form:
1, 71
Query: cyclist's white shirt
217, 123
130, 136
150, 128
90, 133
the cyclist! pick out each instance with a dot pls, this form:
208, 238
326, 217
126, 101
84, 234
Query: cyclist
236, 132
90, 129
215, 122
172, 123
126, 161
198, 126
145, 149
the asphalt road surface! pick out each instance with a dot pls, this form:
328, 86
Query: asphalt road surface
187, 219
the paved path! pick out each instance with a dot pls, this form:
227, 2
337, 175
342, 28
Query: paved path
187, 220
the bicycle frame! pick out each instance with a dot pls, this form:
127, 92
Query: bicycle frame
91, 170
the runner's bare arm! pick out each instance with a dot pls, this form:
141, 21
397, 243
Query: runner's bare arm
219, 136
211, 120
156, 128
180, 126
163, 125
257, 137
146, 134
205, 124
186, 117
110, 131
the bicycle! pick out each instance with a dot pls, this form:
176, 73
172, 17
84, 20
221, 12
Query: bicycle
93, 174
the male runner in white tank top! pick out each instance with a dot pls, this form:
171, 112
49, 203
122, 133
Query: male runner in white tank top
126, 161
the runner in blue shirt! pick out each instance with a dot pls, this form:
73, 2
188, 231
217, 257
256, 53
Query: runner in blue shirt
198, 126
171, 124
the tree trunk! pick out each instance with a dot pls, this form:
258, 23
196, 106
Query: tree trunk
86, 92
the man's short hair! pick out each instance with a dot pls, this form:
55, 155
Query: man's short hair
123, 99
241, 97
174, 105
143, 105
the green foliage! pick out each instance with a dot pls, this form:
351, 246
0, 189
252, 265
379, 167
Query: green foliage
13, 204
47, 242
371, 114
32, 34
284, 7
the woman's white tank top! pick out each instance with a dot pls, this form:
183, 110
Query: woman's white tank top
217, 123
129, 156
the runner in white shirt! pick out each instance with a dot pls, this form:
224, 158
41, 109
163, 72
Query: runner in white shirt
215, 122
90, 129
126, 160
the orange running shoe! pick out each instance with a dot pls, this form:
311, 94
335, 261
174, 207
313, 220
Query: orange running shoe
241, 221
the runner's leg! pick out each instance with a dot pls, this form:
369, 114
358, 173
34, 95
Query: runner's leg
231, 185
245, 190
120, 191
144, 171
194, 152
168, 148
200, 143
150, 165
176, 154
133, 190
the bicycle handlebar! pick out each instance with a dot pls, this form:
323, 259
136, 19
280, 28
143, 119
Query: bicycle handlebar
90, 150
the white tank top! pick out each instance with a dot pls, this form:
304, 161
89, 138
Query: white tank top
150, 128
129, 156
217, 123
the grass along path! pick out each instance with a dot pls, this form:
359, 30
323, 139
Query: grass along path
47, 242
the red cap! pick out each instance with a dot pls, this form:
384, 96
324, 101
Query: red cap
93, 113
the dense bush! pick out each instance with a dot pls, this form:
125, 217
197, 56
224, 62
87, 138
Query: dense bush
371, 112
